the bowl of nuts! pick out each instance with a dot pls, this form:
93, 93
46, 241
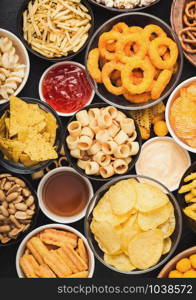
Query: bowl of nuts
18, 208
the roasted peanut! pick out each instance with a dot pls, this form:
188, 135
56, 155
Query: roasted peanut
21, 206
18, 199
2, 195
11, 211
5, 240
30, 201
30, 212
20, 215
5, 228
26, 192
15, 221
14, 188
4, 211
12, 196
3, 181
5, 204
2, 218
7, 185
5, 175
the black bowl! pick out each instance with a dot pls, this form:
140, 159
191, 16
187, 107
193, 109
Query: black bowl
123, 10
20, 168
35, 216
73, 160
190, 222
175, 237
24, 6
136, 19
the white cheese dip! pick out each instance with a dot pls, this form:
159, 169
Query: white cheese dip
164, 160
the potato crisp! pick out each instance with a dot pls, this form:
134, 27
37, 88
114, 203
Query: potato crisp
27, 133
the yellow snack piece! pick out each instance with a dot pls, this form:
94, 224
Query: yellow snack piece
183, 265
158, 117
190, 274
190, 211
160, 128
175, 274
145, 133
192, 259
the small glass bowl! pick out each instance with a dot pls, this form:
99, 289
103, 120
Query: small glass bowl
20, 168
94, 245
74, 160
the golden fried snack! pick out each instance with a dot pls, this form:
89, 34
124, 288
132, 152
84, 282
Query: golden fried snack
56, 264
44, 271
75, 258
83, 274
37, 248
81, 250
29, 266
58, 237
61, 252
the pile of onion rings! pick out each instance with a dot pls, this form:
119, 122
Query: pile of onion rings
135, 62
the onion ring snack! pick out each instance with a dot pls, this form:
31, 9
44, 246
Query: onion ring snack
135, 62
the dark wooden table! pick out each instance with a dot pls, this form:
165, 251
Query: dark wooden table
8, 20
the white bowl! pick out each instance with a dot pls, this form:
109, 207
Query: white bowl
164, 139
171, 99
53, 66
23, 58
22, 247
49, 214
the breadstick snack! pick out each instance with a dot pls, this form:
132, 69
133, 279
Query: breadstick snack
56, 28
103, 140
55, 253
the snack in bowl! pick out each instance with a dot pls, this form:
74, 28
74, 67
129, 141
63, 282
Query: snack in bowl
103, 140
17, 207
27, 133
185, 268
156, 161
65, 87
125, 4
133, 224
12, 71
182, 114
189, 189
142, 59
54, 252
56, 28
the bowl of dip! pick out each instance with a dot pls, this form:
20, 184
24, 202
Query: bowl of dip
162, 159
65, 87
180, 114
63, 195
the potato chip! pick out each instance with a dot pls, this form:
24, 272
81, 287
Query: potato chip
121, 262
168, 227
149, 197
167, 243
122, 197
153, 219
106, 236
103, 212
145, 249
128, 231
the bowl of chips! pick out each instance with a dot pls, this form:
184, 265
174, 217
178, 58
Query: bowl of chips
102, 142
19, 208
132, 226
187, 196
55, 31
126, 67
31, 135
55, 250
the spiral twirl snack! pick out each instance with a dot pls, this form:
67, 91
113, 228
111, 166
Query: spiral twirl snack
135, 62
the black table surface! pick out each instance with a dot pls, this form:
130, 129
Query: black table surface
8, 20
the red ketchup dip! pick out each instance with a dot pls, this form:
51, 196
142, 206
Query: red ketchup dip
66, 88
